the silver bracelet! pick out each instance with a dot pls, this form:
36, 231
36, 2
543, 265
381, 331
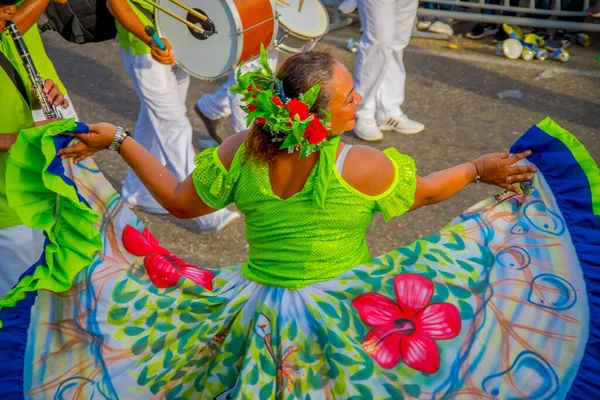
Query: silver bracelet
120, 137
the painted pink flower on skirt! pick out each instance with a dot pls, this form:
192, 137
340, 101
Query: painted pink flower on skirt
407, 331
164, 268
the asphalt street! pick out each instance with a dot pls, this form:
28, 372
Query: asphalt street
453, 92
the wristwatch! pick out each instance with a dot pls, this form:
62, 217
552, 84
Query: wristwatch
120, 137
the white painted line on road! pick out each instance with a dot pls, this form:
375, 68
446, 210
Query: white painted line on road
482, 59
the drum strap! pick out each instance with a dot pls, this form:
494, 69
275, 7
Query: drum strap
14, 76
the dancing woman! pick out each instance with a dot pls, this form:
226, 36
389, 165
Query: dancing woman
471, 311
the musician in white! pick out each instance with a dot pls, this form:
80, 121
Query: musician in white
379, 74
163, 127
212, 108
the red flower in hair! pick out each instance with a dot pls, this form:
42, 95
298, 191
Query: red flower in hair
277, 101
298, 108
249, 89
315, 131
164, 268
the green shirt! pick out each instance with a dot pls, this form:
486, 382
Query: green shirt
128, 40
16, 115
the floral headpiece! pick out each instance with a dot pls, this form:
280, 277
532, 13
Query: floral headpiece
288, 121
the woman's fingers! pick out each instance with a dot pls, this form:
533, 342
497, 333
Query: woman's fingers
509, 187
521, 177
522, 169
73, 151
517, 157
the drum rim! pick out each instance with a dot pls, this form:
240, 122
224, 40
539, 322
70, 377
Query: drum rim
238, 24
299, 36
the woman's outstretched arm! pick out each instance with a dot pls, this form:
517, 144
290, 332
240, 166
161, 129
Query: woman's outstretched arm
178, 198
371, 172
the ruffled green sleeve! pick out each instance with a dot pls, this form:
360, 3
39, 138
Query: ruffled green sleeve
45, 198
401, 195
214, 184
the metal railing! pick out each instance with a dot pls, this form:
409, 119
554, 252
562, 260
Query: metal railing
525, 19
469, 11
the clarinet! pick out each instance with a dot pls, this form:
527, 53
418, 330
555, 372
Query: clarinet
37, 82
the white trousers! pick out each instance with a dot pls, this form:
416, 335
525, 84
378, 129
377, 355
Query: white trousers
223, 103
162, 127
379, 74
20, 248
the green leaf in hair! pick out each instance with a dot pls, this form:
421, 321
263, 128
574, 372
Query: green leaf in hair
311, 96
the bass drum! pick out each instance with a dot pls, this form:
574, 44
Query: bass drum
302, 23
242, 26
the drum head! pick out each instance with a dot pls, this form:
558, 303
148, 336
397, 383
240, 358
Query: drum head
203, 58
311, 22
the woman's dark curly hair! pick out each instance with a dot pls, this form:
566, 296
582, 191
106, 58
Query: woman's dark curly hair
298, 74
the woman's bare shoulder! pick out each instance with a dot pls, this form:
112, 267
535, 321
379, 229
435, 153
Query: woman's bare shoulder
368, 170
230, 146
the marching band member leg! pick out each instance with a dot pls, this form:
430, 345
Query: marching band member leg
379, 73
163, 126
212, 107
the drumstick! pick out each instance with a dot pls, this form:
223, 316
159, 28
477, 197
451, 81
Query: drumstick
283, 2
190, 10
301, 5
177, 17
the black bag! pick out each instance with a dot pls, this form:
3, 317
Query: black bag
81, 21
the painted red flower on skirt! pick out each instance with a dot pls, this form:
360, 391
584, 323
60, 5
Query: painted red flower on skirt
407, 331
164, 268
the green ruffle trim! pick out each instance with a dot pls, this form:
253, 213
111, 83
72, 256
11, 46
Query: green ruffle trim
585, 160
46, 201
213, 183
401, 195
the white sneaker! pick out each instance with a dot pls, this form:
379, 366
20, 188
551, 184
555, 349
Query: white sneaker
366, 129
401, 124
441, 27
216, 221
423, 25
348, 6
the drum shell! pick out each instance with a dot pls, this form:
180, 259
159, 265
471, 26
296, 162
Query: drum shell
259, 26
242, 26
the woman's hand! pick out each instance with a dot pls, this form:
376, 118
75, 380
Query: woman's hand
53, 94
99, 138
497, 169
162, 56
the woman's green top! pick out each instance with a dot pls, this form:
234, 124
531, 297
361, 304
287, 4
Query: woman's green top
316, 234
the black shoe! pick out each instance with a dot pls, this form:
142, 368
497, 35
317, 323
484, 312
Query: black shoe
541, 33
500, 37
560, 40
482, 30
214, 127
